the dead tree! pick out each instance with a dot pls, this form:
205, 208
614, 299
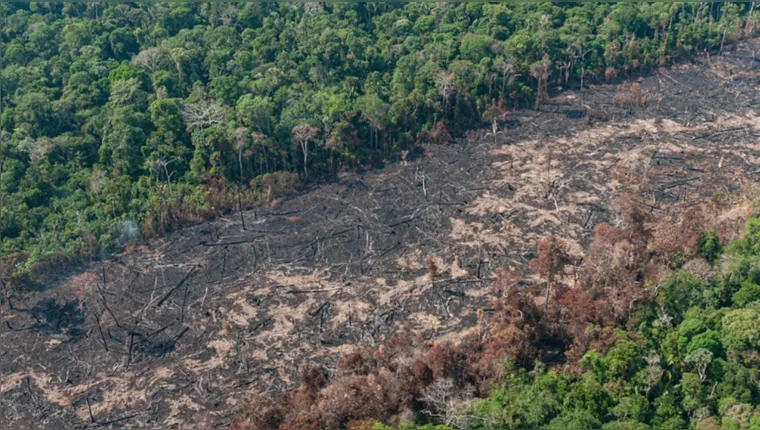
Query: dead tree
541, 71
579, 54
566, 65
303, 134
153, 58
494, 115
242, 141
447, 402
550, 260
204, 114
446, 83
228, 15
507, 69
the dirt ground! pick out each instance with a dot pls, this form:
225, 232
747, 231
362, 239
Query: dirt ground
178, 332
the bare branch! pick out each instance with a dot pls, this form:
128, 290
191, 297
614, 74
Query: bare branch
203, 114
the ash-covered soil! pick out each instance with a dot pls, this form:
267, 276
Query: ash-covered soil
177, 332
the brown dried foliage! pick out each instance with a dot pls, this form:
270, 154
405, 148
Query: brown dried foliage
432, 267
359, 390
438, 135
355, 363
552, 258
385, 383
631, 96
671, 239
610, 74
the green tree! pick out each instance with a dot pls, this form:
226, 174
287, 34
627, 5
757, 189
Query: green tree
256, 113
741, 329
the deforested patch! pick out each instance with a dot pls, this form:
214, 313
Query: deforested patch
412, 260
179, 408
117, 394
348, 311
284, 319
11, 381
315, 280
242, 312
405, 289
488, 203
426, 321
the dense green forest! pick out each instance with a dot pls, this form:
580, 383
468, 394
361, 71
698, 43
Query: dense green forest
667, 337
124, 119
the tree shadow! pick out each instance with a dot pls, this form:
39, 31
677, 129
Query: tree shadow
52, 317
575, 113
156, 348
161, 345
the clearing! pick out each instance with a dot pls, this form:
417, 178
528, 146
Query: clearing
177, 332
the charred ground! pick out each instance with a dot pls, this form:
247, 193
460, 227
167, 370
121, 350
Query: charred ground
176, 332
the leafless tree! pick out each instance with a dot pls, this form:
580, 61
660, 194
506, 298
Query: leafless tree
242, 138
579, 54
303, 134
203, 114
97, 181
327, 127
38, 149
446, 83
663, 319
446, 402
700, 359
404, 155
228, 15
495, 114
653, 371
160, 166
544, 21
507, 69
312, 7
541, 71
153, 58
564, 67
242, 141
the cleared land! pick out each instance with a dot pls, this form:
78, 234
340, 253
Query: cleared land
179, 330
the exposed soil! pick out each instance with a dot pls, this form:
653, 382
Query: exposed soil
177, 332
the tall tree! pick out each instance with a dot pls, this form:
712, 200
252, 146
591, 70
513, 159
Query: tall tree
304, 133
